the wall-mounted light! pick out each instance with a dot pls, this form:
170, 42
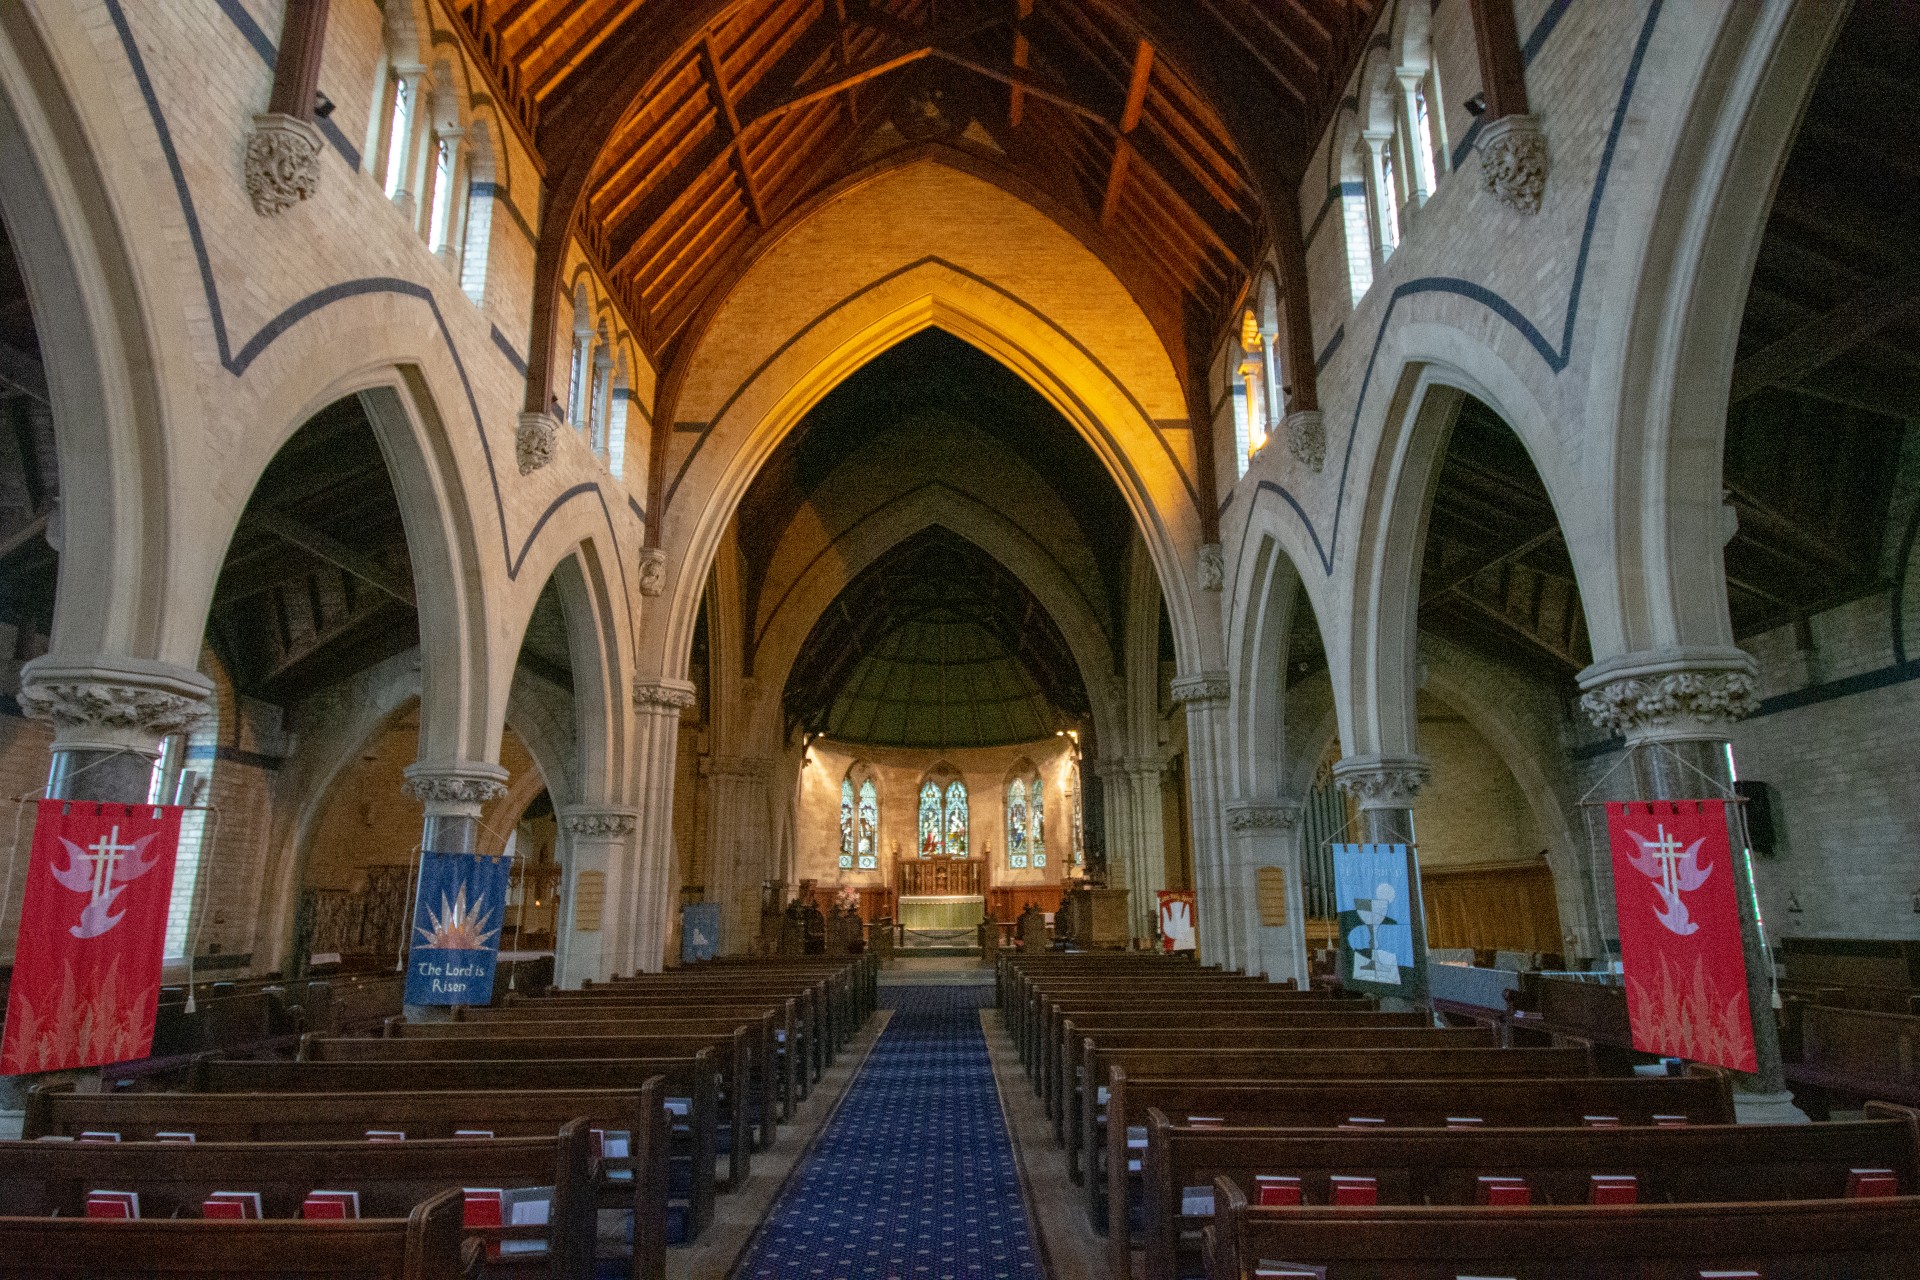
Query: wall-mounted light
1477, 105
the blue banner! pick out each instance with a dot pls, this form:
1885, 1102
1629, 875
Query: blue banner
1382, 939
457, 913
699, 932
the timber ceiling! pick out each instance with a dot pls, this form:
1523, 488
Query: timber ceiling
935, 645
29, 473
700, 126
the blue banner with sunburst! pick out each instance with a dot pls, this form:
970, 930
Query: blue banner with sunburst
457, 915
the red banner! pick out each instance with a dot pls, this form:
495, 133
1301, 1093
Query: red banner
86, 973
1177, 923
1673, 884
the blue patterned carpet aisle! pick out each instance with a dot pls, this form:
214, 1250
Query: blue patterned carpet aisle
915, 1176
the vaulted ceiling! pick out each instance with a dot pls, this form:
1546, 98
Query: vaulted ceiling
678, 135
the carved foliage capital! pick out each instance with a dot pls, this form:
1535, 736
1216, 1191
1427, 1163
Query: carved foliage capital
452, 788
1273, 815
606, 823
1213, 567
1676, 704
663, 696
533, 440
1381, 782
97, 704
1205, 687
1307, 438
653, 571
282, 162
1513, 161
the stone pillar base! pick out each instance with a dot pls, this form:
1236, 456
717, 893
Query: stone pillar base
1767, 1108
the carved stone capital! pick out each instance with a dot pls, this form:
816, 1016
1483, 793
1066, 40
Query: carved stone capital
112, 704
1382, 782
1212, 567
1263, 815
282, 163
533, 440
653, 571
1202, 688
1307, 438
663, 697
1513, 161
456, 790
604, 823
1684, 695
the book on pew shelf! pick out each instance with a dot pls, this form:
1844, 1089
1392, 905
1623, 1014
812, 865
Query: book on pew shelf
1196, 1202
1206, 1122
473, 1133
527, 1207
113, 1204
480, 1207
1601, 1122
235, 1205
612, 1144
98, 1135
1136, 1135
1464, 1122
1613, 1188
1364, 1122
680, 1107
1350, 1189
1871, 1184
1275, 1189
1500, 1190
385, 1135
1670, 1122
173, 1135
331, 1204
1288, 1271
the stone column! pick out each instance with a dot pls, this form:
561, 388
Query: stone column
1146, 776
1385, 238
644, 905
599, 838
453, 794
1384, 788
405, 194
1420, 179
1205, 697
1266, 834
738, 843
109, 715
1673, 709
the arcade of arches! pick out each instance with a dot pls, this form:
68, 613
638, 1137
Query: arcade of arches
952, 456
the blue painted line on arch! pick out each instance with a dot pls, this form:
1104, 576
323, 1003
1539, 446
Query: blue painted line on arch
1556, 358
237, 363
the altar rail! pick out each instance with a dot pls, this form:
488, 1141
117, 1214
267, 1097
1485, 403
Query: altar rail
942, 877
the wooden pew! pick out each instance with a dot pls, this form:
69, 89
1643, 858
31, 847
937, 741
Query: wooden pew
760, 1091
691, 1078
636, 1185
1254, 1033
1857, 1053
1311, 1064
1704, 1097
1782, 1240
1698, 1164
173, 1179
812, 1000
732, 1062
427, 1244
837, 992
1037, 1011
789, 1034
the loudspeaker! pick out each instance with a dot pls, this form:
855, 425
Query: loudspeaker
1759, 806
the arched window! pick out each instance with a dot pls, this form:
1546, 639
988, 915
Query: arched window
867, 849
1037, 821
1017, 823
399, 133
599, 404
1269, 316
184, 775
932, 827
1357, 221
1074, 818
440, 220
476, 237
956, 820
580, 373
847, 821
1387, 197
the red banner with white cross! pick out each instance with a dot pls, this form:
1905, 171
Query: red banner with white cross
1674, 889
93, 926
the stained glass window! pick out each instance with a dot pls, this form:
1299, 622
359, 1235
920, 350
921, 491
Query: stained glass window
1075, 818
1037, 823
846, 824
1017, 823
868, 847
956, 820
930, 826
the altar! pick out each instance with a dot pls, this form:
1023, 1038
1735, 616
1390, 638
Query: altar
942, 901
